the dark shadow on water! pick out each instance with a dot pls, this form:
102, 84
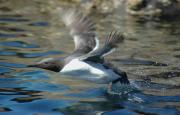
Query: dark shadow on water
132, 61
17, 91
33, 55
26, 99
11, 16
4, 109
39, 24
12, 29
13, 19
28, 55
165, 75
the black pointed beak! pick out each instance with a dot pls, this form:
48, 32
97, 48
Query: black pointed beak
33, 65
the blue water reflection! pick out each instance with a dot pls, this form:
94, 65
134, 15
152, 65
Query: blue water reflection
19, 44
3, 35
5, 70
8, 64
44, 86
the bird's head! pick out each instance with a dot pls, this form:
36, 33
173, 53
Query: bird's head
49, 64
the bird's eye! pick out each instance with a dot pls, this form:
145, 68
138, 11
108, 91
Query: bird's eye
46, 63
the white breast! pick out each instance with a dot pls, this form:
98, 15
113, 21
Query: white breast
90, 71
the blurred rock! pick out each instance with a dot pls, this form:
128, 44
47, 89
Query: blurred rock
154, 8
101, 6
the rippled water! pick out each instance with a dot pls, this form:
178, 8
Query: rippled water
150, 55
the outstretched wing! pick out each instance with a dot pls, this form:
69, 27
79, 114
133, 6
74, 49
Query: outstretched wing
110, 44
82, 30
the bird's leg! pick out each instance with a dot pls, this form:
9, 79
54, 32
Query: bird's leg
122, 79
109, 90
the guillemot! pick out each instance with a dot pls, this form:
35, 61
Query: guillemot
87, 60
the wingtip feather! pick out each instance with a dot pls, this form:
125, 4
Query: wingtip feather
114, 38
